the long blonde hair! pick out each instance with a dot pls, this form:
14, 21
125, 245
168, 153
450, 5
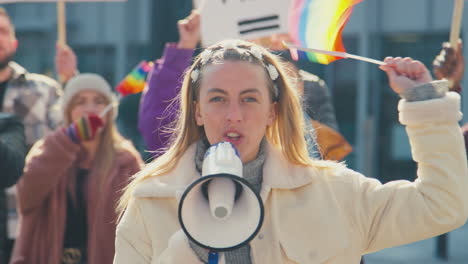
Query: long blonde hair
286, 133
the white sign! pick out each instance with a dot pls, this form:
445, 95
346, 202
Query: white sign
244, 19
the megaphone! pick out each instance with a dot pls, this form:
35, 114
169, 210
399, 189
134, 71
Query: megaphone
220, 211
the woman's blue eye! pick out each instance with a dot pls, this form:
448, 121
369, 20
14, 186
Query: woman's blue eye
216, 99
250, 99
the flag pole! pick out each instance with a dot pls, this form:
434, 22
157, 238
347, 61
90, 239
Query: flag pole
106, 110
61, 23
456, 23
61, 29
335, 53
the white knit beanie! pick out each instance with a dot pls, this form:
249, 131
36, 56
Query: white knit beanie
88, 81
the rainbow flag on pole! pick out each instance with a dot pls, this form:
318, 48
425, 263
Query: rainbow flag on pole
135, 81
318, 24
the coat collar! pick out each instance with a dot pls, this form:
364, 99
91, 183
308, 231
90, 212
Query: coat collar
18, 72
278, 173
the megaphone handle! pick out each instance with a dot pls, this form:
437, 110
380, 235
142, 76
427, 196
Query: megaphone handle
213, 257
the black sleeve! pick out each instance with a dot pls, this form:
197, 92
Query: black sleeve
318, 103
12, 149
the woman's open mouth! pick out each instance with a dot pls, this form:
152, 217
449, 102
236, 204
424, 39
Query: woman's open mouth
233, 137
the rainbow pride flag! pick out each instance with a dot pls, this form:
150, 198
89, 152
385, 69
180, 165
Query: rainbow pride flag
135, 81
318, 24
84, 128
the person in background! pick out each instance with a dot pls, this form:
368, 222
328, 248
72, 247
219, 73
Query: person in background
66, 63
317, 101
12, 150
73, 179
450, 64
31, 98
12, 153
158, 107
315, 211
323, 139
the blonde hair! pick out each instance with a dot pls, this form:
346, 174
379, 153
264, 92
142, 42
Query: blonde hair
286, 133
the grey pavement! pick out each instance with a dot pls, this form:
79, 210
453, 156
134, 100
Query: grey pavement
425, 251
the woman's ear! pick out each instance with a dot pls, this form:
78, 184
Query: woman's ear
198, 116
272, 113
15, 43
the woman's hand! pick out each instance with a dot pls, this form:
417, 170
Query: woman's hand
189, 31
405, 73
84, 129
65, 62
450, 65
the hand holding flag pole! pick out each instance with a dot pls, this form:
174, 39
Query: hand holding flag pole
332, 53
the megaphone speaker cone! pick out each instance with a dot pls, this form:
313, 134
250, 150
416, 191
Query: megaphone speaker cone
231, 224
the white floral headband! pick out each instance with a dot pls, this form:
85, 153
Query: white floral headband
255, 51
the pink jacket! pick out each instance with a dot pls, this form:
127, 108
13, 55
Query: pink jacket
42, 201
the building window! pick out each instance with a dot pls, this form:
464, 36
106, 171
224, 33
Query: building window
36, 51
98, 59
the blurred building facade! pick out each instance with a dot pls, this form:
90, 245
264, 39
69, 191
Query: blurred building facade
111, 38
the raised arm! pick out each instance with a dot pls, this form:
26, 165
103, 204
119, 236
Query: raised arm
66, 63
46, 165
164, 85
402, 212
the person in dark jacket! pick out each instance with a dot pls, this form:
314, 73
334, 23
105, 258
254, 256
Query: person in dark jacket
12, 153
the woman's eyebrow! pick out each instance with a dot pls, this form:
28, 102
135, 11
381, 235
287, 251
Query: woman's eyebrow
216, 90
251, 90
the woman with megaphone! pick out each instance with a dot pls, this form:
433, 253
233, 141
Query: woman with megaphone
305, 210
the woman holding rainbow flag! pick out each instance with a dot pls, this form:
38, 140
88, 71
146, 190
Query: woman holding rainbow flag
72, 181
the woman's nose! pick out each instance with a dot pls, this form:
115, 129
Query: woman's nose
234, 113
